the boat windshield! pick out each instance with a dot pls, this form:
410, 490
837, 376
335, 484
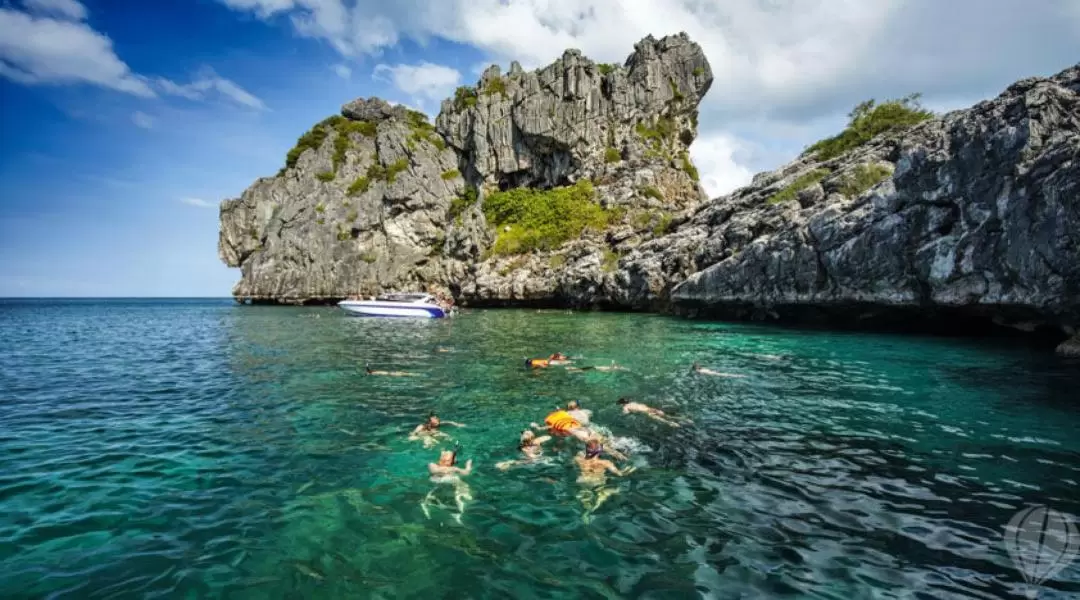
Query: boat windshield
404, 298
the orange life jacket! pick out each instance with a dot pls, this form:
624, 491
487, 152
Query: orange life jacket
560, 421
537, 363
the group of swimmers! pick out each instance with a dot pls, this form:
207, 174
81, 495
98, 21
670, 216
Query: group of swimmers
573, 421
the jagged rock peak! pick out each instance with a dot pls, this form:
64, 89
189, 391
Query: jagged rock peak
372, 109
562, 122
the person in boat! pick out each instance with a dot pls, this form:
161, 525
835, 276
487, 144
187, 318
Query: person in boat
446, 472
593, 470
696, 368
629, 406
370, 371
429, 430
531, 447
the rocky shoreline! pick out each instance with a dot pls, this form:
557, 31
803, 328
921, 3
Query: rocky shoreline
571, 186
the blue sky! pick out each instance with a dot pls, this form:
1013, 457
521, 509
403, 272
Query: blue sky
124, 124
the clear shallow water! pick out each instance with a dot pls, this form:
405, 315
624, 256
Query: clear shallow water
197, 449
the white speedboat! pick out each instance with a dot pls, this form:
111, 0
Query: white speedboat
396, 305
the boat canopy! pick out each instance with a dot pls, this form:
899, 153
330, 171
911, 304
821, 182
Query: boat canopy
404, 297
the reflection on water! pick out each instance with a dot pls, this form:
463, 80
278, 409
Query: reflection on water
201, 449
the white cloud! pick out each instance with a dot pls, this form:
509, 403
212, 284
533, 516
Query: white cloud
198, 202
343, 71
60, 8
38, 50
142, 119
425, 80
207, 80
714, 156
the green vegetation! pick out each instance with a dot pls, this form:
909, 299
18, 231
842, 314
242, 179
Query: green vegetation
451, 174
377, 172
557, 261
612, 155
320, 208
529, 219
369, 257
862, 178
320, 221
464, 97
699, 71
313, 138
676, 94
869, 119
438, 245
460, 204
495, 85
358, 186
689, 167
325, 176
606, 68
658, 222
663, 224
801, 183
609, 262
352, 216
652, 192
422, 131
343, 235
512, 266
663, 130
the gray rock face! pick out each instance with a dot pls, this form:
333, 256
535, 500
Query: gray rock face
973, 215
980, 218
303, 236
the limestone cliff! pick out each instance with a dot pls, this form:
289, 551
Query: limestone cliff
971, 215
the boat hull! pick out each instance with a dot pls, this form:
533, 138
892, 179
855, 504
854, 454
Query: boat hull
368, 308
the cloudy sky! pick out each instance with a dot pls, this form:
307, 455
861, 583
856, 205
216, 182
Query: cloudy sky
124, 124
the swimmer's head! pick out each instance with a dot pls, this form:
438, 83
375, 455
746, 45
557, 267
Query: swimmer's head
433, 420
447, 458
367, 369
527, 436
572, 405
593, 449
622, 401
695, 367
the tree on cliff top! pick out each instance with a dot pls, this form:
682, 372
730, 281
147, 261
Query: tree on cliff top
869, 119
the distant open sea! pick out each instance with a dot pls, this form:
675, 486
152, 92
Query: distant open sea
194, 448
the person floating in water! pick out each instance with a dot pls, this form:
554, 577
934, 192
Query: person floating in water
537, 363
370, 371
562, 424
581, 415
446, 471
429, 430
696, 368
530, 445
593, 471
611, 367
629, 406
558, 359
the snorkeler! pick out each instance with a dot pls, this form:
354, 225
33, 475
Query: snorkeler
537, 363
429, 430
445, 471
629, 406
581, 415
370, 371
530, 445
593, 476
611, 367
562, 424
696, 368
558, 359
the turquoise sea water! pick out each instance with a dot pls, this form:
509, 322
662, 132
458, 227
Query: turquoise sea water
198, 449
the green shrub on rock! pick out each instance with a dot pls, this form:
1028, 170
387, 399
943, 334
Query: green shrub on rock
870, 119
862, 178
612, 155
801, 183
325, 176
530, 219
464, 97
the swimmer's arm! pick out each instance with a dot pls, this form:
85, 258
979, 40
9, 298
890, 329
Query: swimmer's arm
538, 427
467, 469
454, 423
542, 439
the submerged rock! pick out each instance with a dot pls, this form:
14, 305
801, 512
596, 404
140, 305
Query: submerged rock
971, 215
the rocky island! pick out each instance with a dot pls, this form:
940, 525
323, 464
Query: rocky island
572, 185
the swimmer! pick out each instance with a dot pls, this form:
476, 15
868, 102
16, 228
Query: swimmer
370, 371
593, 476
581, 415
629, 406
429, 430
558, 359
605, 368
531, 445
446, 471
562, 424
696, 368
537, 363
